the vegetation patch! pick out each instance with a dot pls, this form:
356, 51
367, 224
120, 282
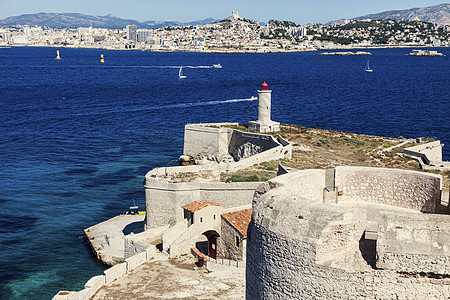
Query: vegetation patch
251, 177
354, 141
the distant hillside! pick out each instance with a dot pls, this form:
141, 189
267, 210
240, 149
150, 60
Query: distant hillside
73, 20
439, 14
434, 14
159, 24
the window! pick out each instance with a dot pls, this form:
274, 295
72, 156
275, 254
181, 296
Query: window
214, 217
201, 219
237, 241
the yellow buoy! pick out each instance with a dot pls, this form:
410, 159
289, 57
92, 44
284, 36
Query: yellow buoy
102, 60
57, 54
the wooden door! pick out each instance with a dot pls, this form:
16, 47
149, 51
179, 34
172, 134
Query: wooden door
212, 251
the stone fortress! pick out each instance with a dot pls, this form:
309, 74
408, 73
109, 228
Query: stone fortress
349, 233
190, 204
340, 233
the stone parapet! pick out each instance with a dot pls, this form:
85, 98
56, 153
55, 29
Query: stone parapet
301, 248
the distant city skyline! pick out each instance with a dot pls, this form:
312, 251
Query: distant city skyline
301, 12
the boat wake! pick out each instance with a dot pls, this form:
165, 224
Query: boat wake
191, 104
140, 108
162, 67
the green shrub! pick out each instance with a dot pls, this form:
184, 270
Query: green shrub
354, 141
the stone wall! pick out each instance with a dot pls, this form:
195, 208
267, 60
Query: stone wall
408, 189
300, 248
173, 233
167, 189
164, 199
414, 243
111, 274
308, 184
245, 144
187, 240
429, 152
207, 140
227, 242
280, 267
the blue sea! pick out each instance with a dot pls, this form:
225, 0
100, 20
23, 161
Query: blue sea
78, 136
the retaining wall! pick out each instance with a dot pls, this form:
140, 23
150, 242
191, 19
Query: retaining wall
111, 274
115, 272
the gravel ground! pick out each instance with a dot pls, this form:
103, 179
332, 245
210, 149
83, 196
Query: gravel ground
177, 279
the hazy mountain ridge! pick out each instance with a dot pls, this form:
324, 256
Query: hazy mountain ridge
73, 20
439, 14
434, 14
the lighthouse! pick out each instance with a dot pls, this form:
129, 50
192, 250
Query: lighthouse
264, 123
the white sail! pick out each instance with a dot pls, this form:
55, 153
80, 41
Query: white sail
180, 73
368, 69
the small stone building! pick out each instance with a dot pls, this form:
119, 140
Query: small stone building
233, 241
202, 211
203, 226
214, 233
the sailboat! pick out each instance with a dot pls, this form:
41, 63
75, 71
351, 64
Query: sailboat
368, 69
180, 74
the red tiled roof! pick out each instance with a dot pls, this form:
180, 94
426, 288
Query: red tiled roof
199, 254
239, 219
197, 205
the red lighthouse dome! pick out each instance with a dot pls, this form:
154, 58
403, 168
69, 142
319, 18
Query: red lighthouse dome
264, 86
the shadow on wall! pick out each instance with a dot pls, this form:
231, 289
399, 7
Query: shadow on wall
368, 250
243, 144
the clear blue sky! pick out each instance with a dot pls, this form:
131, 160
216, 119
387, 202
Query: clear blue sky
299, 11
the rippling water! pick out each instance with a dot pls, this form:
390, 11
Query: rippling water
78, 136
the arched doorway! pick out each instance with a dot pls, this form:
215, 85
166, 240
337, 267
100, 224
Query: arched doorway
207, 243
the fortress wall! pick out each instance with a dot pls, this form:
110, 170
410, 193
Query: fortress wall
210, 171
408, 189
206, 139
289, 257
279, 267
414, 243
230, 194
341, 238
164, 200
432, 151
308, 184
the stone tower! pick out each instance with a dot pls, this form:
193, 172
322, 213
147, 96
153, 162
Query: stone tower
264, 123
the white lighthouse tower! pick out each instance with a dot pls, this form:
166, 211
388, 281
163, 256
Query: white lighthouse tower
264, 123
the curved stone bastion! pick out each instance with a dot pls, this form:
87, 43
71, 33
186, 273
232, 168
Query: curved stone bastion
349, 233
